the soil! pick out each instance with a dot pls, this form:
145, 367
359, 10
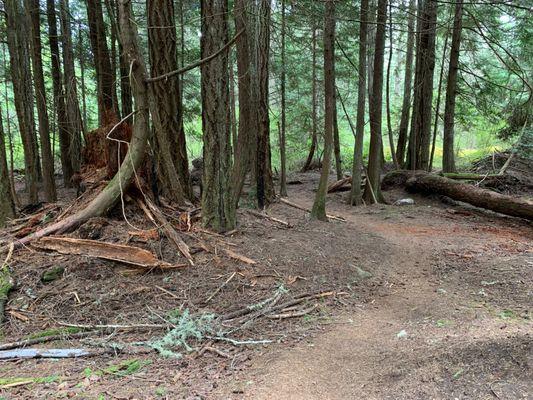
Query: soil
430, 302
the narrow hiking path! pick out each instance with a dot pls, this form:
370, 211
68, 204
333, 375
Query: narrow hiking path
451, 322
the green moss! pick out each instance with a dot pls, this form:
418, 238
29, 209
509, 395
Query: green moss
124, 368
52, 274
13, 380
54, 331
6, 282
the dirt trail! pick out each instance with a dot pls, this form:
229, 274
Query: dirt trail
444, 329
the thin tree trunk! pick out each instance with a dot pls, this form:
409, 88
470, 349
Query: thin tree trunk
356, 195
21, 78
319, 206
314, 117
126, 105
282, 144
437, 105
33, 12
389, 123
233, 104
448, 160
218, 209
337, 143
407, 85
372, 189
7, 205
59, 99
81, 58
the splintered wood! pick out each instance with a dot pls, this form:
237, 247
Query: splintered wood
106, 251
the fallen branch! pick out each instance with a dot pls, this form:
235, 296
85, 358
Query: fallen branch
114, 326
153, 212
239, 257
293, 314
269, 217
45, 339
220, 287
107, 251
47, 353
299, 207
340, 185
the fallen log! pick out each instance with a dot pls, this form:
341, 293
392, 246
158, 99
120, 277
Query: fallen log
466, 176
340, 185
483, 198
107, 251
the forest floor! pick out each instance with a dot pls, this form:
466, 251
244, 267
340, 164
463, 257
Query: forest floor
431, 301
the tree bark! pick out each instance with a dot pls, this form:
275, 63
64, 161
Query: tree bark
59, 98
33, 13
20, 74
166, 110
7, 205
388, 100
319, 206
314, 117
448, 160
356, 195
372, 191
337, 142
282, 140
218, 209
407, 86
434, 184
420, 136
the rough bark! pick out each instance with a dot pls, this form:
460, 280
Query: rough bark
388, 100
73, 123
434, 184
420, 136
283, 125
33, 13
59, 98
448, 160
166, 110
407, 86
7, 205
17, 41
372, 191
337, 142
314, 117
356, 194
319, 206
218, 210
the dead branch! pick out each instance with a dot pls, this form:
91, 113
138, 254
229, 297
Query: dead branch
293, 314
45, 339
220, 287
299, 207
48, 353
339, 185
269, 217
239, 257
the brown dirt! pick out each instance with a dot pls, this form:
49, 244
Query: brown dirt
456, 280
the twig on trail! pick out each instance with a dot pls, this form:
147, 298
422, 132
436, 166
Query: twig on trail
239, 257
293, 314
269, 217
112, 326
299, 207
45, 339
220, 287
168, 292
215, 350
239, 342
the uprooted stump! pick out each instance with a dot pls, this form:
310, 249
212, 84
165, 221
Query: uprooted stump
425, 183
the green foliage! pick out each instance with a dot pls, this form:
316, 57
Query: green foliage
53, 332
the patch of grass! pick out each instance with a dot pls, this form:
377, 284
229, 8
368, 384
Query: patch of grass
507, 314
161, 391
54, 331
441, 323
124, 368
14, 380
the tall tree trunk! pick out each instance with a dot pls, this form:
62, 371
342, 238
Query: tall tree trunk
59, 99
107, 105
448, 160
370, 47
319, 206
81, 59
218, 209
33, 13
389, 123
170, 142
74, 125
247, 126
372, 192
265, 185
437, 105
314, 117
126, 105
421, 121
356, 195
233, 104
20, 74
407, 85
7, 205
282, 141
337, 143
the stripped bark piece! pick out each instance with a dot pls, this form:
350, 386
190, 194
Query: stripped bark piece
239, 257
107, 251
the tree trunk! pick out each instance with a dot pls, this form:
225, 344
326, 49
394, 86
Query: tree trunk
218, 209
265, 185
7, 205
314, 118
420, 136
33, 13
319, 206
81, 59
372, 192
166, 110
74, 125
59, 99
20, 74
407, 87
448, 160
434, 184
356, 195
282, 140
337, 142
388, 100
